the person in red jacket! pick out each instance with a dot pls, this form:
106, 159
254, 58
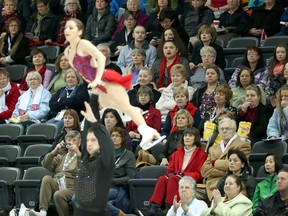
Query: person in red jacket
8, 96
152, 116
181, 97
186, 161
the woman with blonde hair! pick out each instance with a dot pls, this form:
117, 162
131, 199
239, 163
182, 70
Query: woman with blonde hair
181, 97
181, 121
166, 102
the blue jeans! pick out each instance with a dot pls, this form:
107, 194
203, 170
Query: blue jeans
113, 192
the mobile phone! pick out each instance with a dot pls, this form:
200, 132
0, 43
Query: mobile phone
155, 38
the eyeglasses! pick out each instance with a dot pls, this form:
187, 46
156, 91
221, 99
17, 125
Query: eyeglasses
72, 3
222, 129
252, 54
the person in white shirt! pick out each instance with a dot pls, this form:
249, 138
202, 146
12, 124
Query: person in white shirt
188, 204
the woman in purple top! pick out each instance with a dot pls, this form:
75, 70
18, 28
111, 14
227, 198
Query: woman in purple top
108, 84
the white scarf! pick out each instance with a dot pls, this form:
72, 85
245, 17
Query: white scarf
35, 95
3, 106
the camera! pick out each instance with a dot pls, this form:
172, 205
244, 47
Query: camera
67, 145
155, 38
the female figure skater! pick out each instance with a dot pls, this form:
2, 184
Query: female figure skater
85, 58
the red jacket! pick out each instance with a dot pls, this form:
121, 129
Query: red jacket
152, 119
10, 101
194, 165
190, 108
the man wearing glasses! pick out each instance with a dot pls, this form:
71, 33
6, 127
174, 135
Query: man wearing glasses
216, 164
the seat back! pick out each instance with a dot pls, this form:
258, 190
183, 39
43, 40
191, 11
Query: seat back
144, 186
276, 147
140, 191
8, 154
38, 133
260, 149
49, 130
51, 67
10, 132
51, 51
228, 72
153, 171
27, 188
31, 157
37, 150
237, 61
220, 42
16, 72
274, 41
261, 175
36, 173
232, 53
285, 158
242, 42
8, 175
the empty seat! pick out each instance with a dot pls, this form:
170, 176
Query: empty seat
242, 42
31, 156
9, 133
7, 177
144, 186
16, 72
8, 154
38, 133
153, 171
274, 41
27, 188
261, 148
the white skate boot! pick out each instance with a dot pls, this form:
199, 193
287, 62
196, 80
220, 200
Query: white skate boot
150, 137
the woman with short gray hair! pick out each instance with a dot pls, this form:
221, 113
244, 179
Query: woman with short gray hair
72, 9
208, 56
32, 105
72, 96
188, 204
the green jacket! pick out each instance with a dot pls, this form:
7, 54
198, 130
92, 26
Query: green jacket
263, 190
